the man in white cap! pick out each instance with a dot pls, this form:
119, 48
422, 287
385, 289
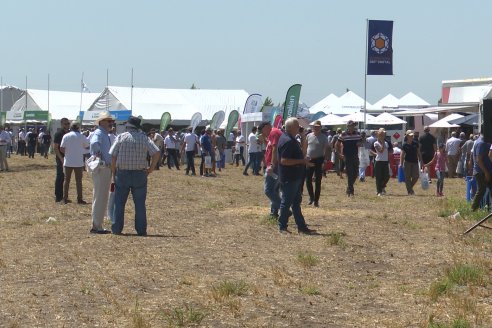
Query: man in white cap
101, 177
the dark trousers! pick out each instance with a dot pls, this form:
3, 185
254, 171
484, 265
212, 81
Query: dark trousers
240, 156
60, 178
21, 147
172, 153
317, 171
78, 181
482, 186
190, 161
381, 172
352, 169
252, 161
31, 149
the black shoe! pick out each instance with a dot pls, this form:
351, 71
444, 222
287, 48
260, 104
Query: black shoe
316, 204
245, 173
82, 202
100, 232
306, 231
57, 200
284, 231
144, 234
67, 201
311, 202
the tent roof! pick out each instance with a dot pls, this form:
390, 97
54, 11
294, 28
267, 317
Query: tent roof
351, 100
412, 100
151, 103
387, 119
330, 119
61, 103
387, 101
325, 104
444, 122
427, 110
358, 117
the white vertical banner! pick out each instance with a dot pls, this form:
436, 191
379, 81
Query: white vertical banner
253, 104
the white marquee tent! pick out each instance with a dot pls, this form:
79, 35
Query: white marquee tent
151, 103
348, 103
59, 103
388, 101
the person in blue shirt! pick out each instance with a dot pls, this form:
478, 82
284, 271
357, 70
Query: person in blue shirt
482, 168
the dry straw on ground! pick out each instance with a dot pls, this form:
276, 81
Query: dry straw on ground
212, 259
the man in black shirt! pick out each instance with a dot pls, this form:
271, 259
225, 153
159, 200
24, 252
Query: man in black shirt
31, 139
60, 176
409, 159
428, 146
350, 141
291, 172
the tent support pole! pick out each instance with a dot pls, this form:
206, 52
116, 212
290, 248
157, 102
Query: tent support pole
365, 74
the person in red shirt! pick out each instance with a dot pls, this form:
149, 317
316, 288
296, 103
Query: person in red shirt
272, 184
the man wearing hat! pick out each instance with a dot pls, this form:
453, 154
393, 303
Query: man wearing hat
317, 151
101, 177
130, 171
349, 142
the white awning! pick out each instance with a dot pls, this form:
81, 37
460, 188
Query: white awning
439, 109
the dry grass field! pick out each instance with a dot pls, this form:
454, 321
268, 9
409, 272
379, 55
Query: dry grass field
214, 259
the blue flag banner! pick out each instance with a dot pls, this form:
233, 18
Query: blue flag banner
380, 48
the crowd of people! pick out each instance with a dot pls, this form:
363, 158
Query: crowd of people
288, 158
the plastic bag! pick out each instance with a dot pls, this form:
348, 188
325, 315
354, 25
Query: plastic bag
208, 162
424, 180
401, 174
92, 164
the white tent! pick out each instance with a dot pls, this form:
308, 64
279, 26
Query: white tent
387, 119
326, 104
151, 103
330, 119
388, 101
358, 117
444, 122
350, 100
59, 103
411, 100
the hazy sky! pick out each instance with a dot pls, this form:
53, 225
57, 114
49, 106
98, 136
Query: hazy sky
261, 46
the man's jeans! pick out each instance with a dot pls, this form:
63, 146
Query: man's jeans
291, 197
252, 162
136, 182
60, 178
190, 161
272, 191
317, 171
482, 186
352, 168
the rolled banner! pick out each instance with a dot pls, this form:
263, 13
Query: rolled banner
165, 120
195, 120
217, 120
231, 121
253, 104
317, 116
3, 118
292, 101
278, 121
48, 123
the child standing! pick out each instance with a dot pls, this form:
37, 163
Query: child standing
440, 158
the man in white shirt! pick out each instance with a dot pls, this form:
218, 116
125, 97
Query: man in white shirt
159, 142
170, 143
253, 149
189, 146
5, 141
74, 145
453, 151
21, 143
239, 153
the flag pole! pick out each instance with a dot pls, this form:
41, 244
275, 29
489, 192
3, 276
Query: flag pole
81, 91
107, 89
1, 93
365, 73
131, 93
48, 93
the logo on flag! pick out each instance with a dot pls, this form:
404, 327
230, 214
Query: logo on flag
380, 43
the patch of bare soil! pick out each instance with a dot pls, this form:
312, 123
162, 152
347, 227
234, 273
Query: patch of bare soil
213, 259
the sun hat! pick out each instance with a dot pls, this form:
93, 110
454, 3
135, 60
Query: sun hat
133, 122
104, 115
317, 123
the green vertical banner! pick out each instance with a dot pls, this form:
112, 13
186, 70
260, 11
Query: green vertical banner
3, 118
231, 121
292, 101
165, 120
